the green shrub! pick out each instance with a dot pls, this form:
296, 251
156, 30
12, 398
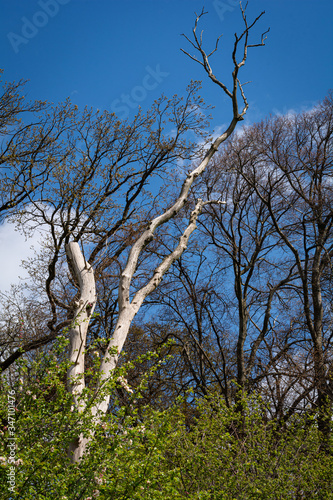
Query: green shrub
139, 453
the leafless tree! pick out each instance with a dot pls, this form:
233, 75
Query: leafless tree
291, 176
129, 302
30, 146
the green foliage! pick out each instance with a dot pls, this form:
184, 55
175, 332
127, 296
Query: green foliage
236, 453
137, 452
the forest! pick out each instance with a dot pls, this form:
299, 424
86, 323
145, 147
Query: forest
174, 338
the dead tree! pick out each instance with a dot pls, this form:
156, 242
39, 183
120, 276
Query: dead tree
130, 303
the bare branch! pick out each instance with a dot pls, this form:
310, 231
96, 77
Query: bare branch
198, 45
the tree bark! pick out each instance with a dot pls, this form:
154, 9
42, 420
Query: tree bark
83, 274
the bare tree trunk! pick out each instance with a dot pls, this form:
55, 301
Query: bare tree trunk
324, 405
129, 308
83, 274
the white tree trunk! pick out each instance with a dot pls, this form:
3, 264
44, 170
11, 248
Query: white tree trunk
83, 274
128, 309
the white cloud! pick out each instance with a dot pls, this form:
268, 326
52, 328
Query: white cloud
306, 106
14, 247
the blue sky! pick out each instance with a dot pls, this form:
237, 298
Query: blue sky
98, 51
